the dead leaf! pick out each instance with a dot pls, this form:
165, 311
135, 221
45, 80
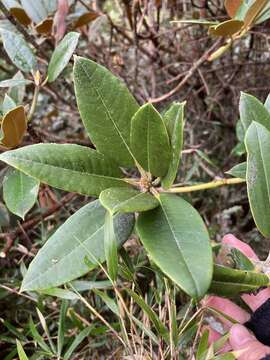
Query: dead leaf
232, 6
45, 26
226, 28
20, 15
13, 127
85, 19
59, 21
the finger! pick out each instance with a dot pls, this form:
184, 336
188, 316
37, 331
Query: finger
240, 245
242, 339
214, 336
255, 301
228, 308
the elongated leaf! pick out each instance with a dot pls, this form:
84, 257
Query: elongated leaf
13, 127
81, 237
203, 346
267, 103
226, 28
230, 282
77, 341
18, 51
85, 19
174, 121
37, 337
14, 83
150, 140
72, 168
110, 302
84, 285
264, 15
8, 104
35, 9
106, 107
61, 327
62, 55
60, 293
110, 247
20, 192
181, 246
21, 353
238, 170
258, 175
254, 11
159, 326
251, 109
127, 200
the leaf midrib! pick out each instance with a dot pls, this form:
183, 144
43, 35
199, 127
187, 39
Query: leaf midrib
178, 245
108, 111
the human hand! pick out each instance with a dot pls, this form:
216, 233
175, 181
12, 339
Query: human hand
241, 339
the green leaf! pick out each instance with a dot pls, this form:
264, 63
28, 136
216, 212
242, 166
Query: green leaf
84, 285
251, 109
35, 9
77, 341
159, 326
238, 170
8, 104
68, 167
20, 192
37, 337
81, 237
231, 282
106, 107
127, 200
258, 175
203, 346
62, 55
112, 305
175, 246
61, 327
17, 92
267, 103
60, 293
110, 247
18, 51
14, 83
174, 121
150, 141
21, 353
241, 261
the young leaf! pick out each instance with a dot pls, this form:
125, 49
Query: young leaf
68, 167
62, 55
81, 237
251, 109
150, 140
106, 107
231, 282
14, 83
8, 104
18, 51
20, 192
238, 170
181, 246
174, 121
110, 247
21, 353
13, 127
258, 175
127, 200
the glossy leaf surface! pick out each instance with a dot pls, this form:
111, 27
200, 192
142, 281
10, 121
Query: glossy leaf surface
231, 282
150, 141
176, 239
72, 168
62, 258
106, 107
20, 192
174, 121
127, 200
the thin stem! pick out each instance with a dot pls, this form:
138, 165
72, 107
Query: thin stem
34, 103
205, 186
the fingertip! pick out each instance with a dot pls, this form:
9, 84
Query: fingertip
240, 336
255, 301
231, 240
